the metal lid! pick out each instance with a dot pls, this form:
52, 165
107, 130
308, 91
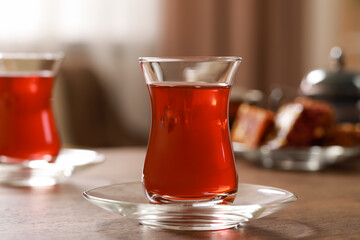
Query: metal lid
334, 82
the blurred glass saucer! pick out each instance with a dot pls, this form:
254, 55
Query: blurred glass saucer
42, 173
312, 158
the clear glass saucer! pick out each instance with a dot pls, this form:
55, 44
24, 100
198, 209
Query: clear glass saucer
251, 202
43, 173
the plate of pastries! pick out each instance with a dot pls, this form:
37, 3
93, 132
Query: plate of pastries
302, 134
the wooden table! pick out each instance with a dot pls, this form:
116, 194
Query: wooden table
328, 206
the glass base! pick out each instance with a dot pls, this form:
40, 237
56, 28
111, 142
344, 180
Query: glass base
223, 198
12, 160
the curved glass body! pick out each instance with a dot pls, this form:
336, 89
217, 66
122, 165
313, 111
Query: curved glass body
189, 156
27, 125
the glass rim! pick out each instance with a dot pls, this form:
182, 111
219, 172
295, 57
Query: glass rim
192, 59
32, 55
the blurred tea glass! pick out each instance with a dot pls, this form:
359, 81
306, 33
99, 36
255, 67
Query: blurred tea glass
27, 126
189, 156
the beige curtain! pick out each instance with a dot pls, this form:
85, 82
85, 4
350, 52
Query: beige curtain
267, 34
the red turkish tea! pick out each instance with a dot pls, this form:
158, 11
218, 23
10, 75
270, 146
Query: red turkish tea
27, 125
189, 155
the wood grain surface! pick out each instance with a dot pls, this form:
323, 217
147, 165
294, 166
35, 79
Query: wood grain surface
328, 206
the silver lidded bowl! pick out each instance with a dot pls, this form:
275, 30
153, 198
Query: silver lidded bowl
337, 86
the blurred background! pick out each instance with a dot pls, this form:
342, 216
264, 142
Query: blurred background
100, 97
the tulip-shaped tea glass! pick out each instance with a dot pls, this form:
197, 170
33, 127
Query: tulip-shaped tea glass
27, 125
189, 156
